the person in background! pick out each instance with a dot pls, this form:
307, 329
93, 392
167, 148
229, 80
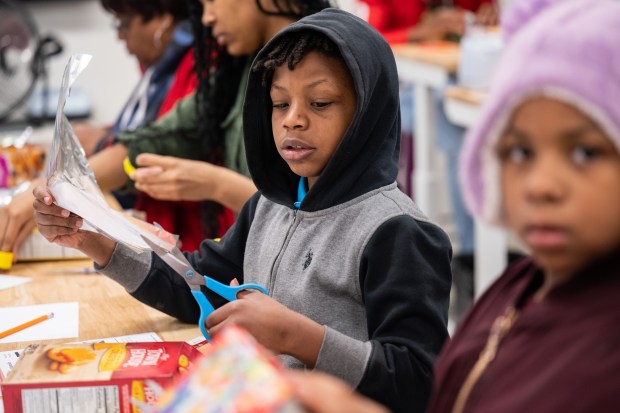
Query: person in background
419, 20
543, 160
200, 145
358, 278
205, 126
427, 20
158, 33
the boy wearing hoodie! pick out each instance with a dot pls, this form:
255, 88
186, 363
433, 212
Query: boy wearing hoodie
358, 278
544, 160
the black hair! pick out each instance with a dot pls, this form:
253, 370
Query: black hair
147, 9
291, 49
219, 75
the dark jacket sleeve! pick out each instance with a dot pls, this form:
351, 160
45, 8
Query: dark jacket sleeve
405, 278
167, 291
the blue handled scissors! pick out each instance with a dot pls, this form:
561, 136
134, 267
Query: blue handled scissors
177, 261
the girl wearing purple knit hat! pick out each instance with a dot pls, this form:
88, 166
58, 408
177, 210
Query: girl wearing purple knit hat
544, 161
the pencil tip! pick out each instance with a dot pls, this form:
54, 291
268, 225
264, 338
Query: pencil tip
50, 315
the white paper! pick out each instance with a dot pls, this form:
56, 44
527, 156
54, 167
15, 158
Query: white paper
100, 216
8, 281
65, 323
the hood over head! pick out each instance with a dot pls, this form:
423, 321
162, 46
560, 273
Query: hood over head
568, 51
367, 157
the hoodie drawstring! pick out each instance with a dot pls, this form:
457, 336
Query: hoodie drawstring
301, 192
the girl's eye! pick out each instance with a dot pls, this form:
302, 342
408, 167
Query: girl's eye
514, 154
321, 105
584, 154
280, 105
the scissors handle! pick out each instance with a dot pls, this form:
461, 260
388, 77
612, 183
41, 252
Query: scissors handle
205, 309
230, 292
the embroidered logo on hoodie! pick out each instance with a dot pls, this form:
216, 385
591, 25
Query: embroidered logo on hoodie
308, 259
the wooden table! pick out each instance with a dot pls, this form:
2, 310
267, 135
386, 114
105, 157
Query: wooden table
428, 67
462, 107
106, 309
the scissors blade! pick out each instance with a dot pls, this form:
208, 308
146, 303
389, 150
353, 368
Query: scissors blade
177, 261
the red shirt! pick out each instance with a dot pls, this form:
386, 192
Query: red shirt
394, 18
181, 217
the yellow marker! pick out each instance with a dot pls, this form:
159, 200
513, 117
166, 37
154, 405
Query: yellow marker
6, 260
128, 167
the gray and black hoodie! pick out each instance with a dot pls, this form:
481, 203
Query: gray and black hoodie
357, 256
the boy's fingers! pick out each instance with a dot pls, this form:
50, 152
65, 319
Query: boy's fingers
213, 330
53, 220
42, 194
50, 233
49, 209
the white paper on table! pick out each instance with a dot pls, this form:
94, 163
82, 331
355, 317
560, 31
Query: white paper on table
8, 281
64, 324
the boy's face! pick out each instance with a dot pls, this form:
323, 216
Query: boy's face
312, 108
560, 179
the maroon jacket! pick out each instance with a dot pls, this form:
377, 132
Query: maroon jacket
560, 355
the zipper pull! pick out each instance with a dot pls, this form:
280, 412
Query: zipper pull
500, 328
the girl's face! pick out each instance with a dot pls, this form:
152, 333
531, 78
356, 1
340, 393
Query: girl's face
239, 25
560, 180
147, 41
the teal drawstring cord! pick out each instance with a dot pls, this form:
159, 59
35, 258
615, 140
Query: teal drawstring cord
301, 192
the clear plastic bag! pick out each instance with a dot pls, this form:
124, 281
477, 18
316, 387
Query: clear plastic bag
72, 182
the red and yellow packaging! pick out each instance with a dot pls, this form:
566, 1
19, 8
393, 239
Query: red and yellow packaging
101, 378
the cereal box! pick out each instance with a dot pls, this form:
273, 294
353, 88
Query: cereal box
97, 378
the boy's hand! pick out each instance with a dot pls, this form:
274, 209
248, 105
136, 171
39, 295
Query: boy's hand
273, 325
60, 226
258, 313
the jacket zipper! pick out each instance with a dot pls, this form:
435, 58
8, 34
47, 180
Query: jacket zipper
500, 328
272, 281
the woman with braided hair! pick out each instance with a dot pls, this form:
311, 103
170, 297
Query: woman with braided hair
195, 152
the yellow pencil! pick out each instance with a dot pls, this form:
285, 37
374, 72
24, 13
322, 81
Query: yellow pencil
26, 325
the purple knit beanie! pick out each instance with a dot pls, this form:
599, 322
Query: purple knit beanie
566, 50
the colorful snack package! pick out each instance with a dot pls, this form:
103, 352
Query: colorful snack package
236, 375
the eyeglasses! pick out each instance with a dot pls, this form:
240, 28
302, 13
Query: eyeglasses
121, 24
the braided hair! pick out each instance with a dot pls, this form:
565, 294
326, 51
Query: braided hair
218, 72
291, 49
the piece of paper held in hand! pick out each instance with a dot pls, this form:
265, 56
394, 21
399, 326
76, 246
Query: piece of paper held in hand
8, 281
64, 324
72, 181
